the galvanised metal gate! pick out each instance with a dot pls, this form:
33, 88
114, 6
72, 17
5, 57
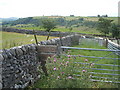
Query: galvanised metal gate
100, 71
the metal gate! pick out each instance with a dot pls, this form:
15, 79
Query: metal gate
102, 72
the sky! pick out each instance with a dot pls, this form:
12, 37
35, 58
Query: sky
29, 8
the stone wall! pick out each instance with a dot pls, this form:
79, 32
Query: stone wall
64, 41
19, 65
23, 31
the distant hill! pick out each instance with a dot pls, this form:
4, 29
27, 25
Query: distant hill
66, 21
37, 21
9, 19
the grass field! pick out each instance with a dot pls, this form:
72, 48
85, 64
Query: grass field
81, 29
77, 17
10, 39
94, 45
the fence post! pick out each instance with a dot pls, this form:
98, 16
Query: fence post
59, 50
106, 40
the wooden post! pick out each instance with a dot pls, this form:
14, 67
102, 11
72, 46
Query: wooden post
43, 62
35, 37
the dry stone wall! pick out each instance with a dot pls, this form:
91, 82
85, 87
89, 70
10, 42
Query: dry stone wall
19, 65
64, 41
23, 31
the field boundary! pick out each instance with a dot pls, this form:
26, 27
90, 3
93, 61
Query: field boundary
113, 46
44, 33
20, 65
107, 79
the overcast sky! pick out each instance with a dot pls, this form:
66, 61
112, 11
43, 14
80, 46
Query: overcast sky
27, 8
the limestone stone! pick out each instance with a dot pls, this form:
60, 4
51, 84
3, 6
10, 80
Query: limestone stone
9, 54
19, 51
1, 57
32, 47
23, 49
4, 55
0, 85
12, 51
17, 86
26, 48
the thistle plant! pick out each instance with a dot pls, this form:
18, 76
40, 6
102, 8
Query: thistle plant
62, 73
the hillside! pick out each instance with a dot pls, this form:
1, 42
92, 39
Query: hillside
64, 23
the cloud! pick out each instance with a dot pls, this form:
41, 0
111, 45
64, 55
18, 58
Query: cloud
25, 8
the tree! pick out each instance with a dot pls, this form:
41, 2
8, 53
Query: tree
115, 30
48, 24
98, 15
106, 15
104, 25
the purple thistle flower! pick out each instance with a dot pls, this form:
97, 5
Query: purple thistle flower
67, 62
85, 60
54, 69
83, 70
62, 72
55, 60
70, 77
69, 56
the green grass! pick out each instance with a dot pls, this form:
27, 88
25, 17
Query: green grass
10, 39
57, 65
28, 28
77, 17
81, 29
92, 44
62, 74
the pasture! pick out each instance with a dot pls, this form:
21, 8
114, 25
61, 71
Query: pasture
10, 39
81, 29
87, 25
